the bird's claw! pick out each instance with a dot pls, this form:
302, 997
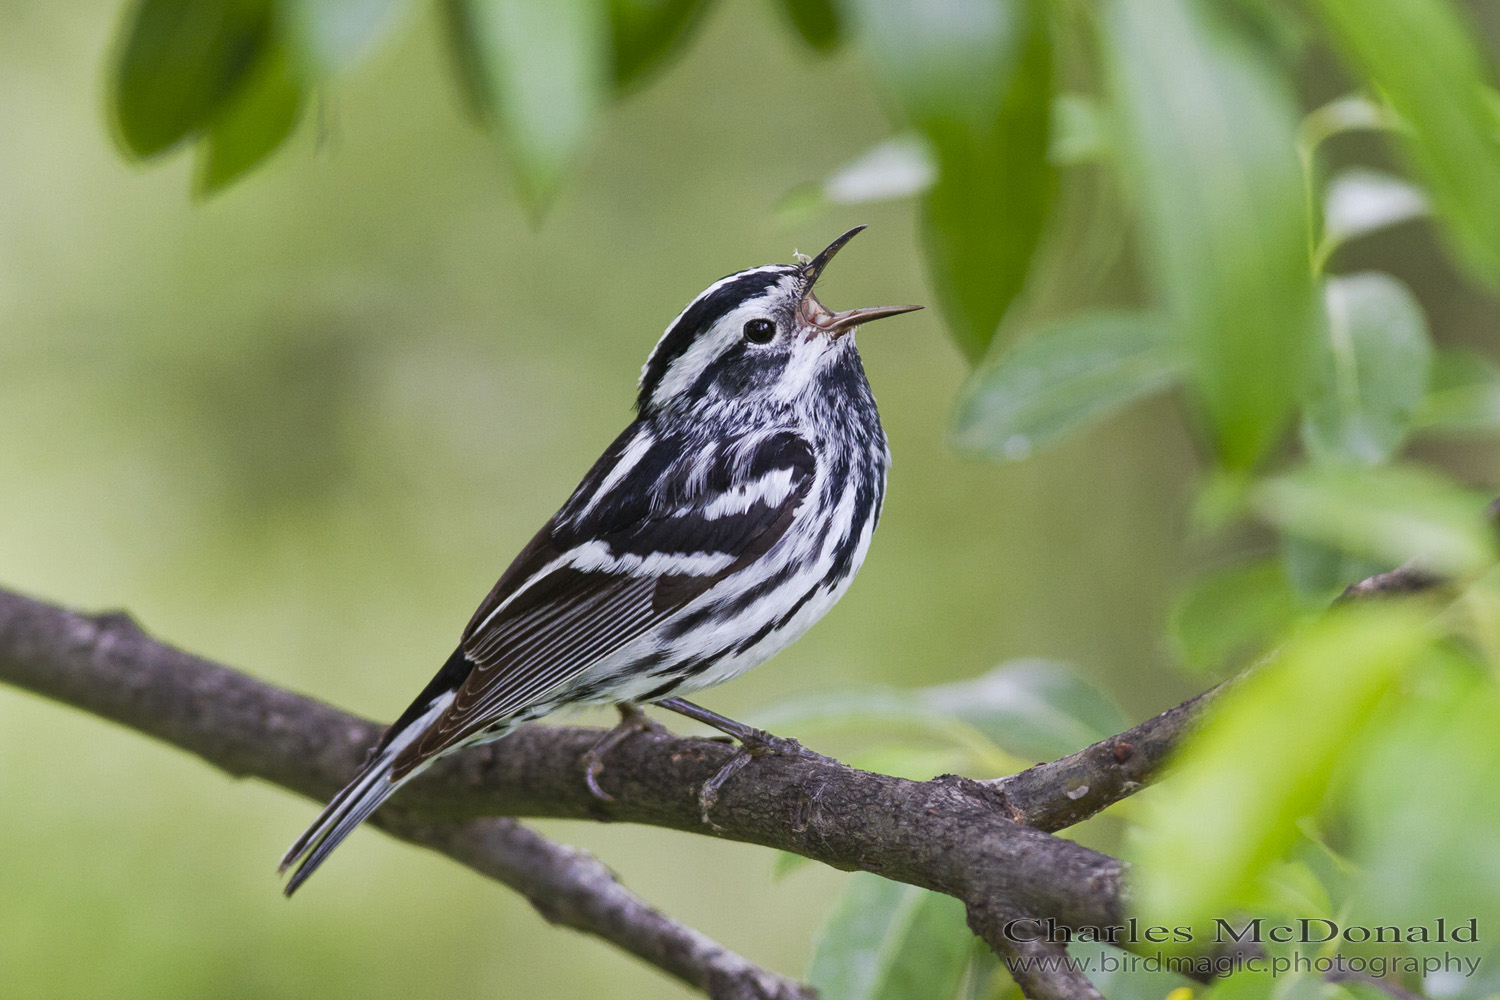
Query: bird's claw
593, 766
632, 721
753, 743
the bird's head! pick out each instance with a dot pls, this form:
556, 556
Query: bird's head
757, 334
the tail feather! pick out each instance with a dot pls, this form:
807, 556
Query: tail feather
348, 809
358, 799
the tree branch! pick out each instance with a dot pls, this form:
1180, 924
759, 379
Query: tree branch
986, 843
951, 834
107, 665
572, 888
1060, 793
1040, 965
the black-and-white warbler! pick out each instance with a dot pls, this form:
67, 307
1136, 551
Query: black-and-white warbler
725, 520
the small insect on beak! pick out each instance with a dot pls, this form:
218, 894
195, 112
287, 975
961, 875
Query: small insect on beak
818, 317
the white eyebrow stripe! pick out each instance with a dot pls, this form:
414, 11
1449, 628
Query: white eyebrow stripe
727, 279
691, 363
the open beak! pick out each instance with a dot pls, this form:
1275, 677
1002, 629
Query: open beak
818, 316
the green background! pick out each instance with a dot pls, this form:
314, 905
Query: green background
301, 428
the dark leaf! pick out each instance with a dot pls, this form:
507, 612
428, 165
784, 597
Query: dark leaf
180, 63
1236, 610
819, 23
1208, 137
537, 72
975, 77
251, 127
1319, 572
889, 941
1063, 378
1035, 709
644, 34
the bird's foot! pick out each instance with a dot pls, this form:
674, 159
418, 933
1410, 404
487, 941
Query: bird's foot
632, 721
753, 743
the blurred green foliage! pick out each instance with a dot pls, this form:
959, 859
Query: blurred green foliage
302, 423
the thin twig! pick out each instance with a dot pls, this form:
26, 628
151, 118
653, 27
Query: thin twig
1061, 793
1066, 791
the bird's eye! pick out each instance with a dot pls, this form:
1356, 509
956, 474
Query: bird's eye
760, 331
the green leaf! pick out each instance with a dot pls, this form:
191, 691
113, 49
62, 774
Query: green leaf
1361, 201
537, 72
819, 23
1032, 709
900, 167
975, 77
331, 35
1463, 395
1393, 515
1264, 759
906, 760
1319, 572
460, 31
1035, 709
1066, 376
1350, 113
251, 127
1370, 374
1230, 611
889, 941
1208, 137
1291, 889
1079, 133
785, 862
1426, 808
180, 63
1427, 62
645, 34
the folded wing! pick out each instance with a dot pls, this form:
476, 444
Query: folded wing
653, 526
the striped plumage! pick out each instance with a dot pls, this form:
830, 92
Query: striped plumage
714, 531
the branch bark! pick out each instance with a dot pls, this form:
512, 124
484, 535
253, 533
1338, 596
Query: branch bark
1040, 966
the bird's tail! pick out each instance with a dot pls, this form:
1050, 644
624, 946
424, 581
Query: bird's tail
348, 809
362, 796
